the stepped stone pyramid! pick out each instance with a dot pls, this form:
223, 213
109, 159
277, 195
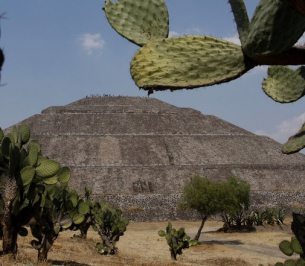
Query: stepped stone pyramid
138, 152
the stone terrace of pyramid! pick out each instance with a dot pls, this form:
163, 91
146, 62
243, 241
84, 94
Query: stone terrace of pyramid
138, 152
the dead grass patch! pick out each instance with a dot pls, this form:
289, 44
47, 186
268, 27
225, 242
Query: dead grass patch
141, 246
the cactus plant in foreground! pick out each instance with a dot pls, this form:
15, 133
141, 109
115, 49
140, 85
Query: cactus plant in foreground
289, 248
25, 176
177, 240
189, 62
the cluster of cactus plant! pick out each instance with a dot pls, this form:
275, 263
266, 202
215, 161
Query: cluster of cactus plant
177, 240
289, 248
68, 211
26, 183
34, 192
110, 225
189, 62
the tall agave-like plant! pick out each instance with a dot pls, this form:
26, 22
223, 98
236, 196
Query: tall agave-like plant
189, 62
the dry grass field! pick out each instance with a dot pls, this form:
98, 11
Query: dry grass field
141, 245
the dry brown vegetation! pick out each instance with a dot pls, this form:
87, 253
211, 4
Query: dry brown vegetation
141, 245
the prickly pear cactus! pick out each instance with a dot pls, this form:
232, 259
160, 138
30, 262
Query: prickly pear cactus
289, 248
284, 84
138, 21
285, 247
110, 225
241, 18
274, 28
187, 62
177, 240
296, 142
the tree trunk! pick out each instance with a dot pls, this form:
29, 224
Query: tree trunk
47, 243
10, 231
10, 235
298, 228
226, 225
173, 254
83, 230
204, 218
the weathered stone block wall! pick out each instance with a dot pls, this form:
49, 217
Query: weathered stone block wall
138, 152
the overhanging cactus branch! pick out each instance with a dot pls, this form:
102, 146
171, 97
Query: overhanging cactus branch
294, 56
241, 18
298, 5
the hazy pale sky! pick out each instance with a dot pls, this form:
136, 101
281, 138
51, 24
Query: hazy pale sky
60, 51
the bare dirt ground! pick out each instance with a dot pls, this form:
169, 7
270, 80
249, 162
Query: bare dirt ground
141, 245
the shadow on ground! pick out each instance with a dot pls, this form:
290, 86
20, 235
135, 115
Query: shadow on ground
66, 263
222, 242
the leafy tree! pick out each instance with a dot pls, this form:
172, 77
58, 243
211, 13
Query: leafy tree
235, 199
208, 197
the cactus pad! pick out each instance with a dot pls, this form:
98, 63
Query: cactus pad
296, 246
14, 160
285, 84
300, 262
138, 21
275, 27
187, 62
286, 248
290, 262
23, 231
5, 147
295, 143
27, 175
241, 18
47, 168
84, 207
32, 158
78, 218
50, 180
25, 134
64, 175
35, 143
1, 134
161, 233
